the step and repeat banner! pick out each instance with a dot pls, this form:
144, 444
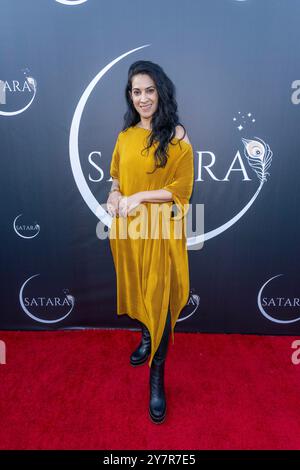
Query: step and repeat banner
63, 72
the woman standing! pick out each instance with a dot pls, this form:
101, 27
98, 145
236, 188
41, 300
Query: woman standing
152, 163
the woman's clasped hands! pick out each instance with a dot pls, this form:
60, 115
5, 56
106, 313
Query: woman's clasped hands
119, 205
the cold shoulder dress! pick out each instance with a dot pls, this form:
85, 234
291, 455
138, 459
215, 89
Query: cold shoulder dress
152, 274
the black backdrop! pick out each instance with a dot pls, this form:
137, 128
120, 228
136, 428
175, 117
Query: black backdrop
63, 70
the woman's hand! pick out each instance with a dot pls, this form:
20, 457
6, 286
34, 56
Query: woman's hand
113, 203
128, 203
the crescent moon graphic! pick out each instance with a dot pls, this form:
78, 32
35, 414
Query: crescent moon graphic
37, 318
68, 2
191, 241
197, 301
23, 236
32, 84
79, 178
265, 314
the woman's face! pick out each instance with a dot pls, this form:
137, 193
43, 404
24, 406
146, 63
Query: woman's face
144, 95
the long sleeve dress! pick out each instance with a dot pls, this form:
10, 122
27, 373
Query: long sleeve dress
152, 274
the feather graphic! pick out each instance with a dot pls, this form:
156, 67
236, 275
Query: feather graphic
259, 156
31, 82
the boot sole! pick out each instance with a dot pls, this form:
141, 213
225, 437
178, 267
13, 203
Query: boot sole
136, 364
156, 420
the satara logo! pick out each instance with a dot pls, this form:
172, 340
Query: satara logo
26, 230
257, 153
279, 306
190, 308
17, 93
46, 308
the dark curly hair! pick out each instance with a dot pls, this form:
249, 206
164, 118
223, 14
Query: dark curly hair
165, 119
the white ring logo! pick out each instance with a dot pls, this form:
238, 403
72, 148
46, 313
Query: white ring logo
32, 84
196, 301
257, 152
79, 178
70, 299
265, 314
37, 227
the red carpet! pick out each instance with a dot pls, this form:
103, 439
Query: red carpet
77, 390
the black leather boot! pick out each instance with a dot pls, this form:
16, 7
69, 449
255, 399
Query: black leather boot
142, 352
158, 405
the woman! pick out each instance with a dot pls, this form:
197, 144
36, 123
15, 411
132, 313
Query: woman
152, 166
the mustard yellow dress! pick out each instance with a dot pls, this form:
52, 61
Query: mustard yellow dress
152, 274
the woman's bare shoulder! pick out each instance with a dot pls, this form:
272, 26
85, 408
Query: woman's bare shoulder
180, 134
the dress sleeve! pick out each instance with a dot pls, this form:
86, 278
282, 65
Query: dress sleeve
114, 166
182, 185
